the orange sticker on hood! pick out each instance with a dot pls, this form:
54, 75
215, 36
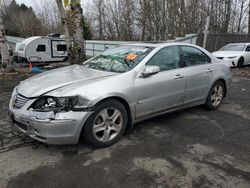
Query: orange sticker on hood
131, 57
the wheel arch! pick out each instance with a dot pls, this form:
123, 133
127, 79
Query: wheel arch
125, 104
130, 112
241, 57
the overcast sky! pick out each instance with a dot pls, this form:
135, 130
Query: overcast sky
28, 2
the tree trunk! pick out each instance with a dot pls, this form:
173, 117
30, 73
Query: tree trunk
6, 60
65, 25
78, 35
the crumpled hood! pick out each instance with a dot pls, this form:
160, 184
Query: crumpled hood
227, 53
57, 78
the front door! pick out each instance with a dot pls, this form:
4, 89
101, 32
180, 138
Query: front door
164, 90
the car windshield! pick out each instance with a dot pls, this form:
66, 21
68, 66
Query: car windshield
233, 47
120, 59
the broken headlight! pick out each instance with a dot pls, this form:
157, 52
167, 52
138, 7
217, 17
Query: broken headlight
56, 104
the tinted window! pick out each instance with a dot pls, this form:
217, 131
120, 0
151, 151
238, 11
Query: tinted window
61, 47
248, 49
167, 58
193, 56
41, 48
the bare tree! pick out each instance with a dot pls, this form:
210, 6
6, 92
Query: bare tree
6, 60
242, 15
49, 16
99, 6
165, 19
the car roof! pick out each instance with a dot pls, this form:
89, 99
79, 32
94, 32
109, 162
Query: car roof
139, 44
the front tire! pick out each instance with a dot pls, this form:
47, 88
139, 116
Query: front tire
240, 63
106, 125
215, 96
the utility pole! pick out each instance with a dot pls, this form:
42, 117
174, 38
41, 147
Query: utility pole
249, 17
206, 31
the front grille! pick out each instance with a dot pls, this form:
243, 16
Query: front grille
20, 101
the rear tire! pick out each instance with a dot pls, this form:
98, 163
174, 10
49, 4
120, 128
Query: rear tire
240, 63
215, 96
106, 125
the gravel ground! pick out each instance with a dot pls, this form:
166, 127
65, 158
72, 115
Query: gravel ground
243, 72
10, 139
189, 148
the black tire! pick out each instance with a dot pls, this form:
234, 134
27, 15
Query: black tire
211, 104
88, 130
240, 63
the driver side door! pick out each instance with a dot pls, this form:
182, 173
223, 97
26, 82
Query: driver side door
164, 90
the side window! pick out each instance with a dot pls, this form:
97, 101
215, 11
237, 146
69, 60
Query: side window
61, 47
193, 56
167, 58
248, 48
41, 48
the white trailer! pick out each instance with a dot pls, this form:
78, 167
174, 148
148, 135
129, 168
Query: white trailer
39, 49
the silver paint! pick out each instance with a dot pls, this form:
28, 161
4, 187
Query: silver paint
146, 96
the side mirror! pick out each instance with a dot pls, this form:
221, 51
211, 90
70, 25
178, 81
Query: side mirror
150, 70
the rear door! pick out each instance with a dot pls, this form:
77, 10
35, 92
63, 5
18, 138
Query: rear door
198, 74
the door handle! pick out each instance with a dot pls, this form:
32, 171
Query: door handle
178, 76
209, 70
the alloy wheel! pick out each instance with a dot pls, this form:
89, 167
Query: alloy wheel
217, 95
107, 124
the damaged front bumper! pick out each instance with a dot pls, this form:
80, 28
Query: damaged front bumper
48, 127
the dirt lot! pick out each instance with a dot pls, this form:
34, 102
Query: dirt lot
190, 148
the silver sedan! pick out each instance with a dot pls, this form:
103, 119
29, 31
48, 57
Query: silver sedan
102, 97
